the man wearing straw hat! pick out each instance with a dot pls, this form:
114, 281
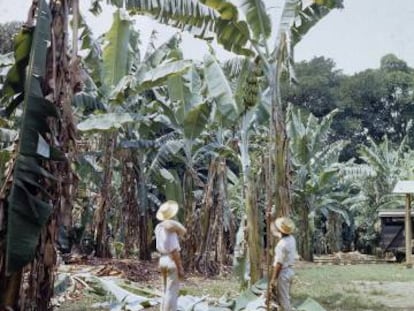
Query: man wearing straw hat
166, 235
285, 253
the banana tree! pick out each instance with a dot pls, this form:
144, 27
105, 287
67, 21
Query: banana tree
316, 167
240, 84
253, 37
126, 93
38, 183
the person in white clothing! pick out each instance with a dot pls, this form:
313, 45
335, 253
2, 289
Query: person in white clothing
282, 268
167, 233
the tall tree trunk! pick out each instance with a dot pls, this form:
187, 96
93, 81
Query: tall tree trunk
281, 146
221, 249
333, 234
34, 283
100, 221
130, 224
208, 219
269, 195
305, 237
144, 221
253, 237
191, 222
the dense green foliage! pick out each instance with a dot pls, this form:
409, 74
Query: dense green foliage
373, 103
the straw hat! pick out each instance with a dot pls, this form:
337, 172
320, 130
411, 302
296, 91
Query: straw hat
167, 210
284, 225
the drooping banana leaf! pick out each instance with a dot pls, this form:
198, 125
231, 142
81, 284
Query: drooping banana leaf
28, 212
186, 89
160, 74
219, 89
115, 54
196, 120
12, 92
199, 19
92, 47
105, 122
87, 103
310, 15
257, 18
153, 58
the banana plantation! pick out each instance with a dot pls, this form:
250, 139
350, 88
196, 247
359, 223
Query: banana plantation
98, 132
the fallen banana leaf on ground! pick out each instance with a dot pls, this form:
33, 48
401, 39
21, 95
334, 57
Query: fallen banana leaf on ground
125, 299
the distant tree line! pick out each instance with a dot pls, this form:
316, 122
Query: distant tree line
372, 103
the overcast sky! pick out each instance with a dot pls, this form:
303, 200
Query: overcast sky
355, 37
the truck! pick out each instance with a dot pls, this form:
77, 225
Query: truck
392, 236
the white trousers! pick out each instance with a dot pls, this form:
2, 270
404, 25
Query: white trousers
171, 283
284, 283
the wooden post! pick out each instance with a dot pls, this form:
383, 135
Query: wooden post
408, 232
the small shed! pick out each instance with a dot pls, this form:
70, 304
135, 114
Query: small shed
406, 187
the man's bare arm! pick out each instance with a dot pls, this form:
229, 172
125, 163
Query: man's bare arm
174, 226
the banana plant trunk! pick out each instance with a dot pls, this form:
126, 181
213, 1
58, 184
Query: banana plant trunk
281, 159
101, 226
333, 234
129, 226
31, 288
221, 250
190, 243
305, 241
251, 209
212, 221
144, 220
253, 237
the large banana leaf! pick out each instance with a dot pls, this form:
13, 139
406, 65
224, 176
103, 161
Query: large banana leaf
196, 120
105, 122
219, 89
310, 15
200, 20
186, 89
14, 83
257, 18
115, 54
27, 211
92, 48
161, 73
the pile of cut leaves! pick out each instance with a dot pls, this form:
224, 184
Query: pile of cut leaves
120, 293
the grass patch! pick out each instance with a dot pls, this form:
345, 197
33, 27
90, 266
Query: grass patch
347, 287
213, 287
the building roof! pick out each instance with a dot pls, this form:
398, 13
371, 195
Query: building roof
394, 213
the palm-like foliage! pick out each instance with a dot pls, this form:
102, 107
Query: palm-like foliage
374, 179
315, 162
